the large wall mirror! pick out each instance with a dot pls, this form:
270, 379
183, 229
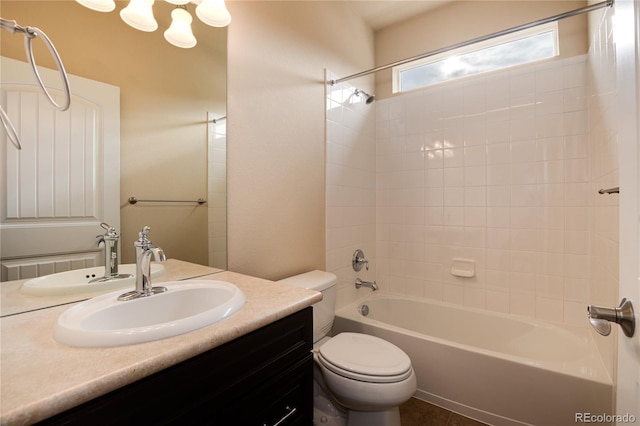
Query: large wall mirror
167, 95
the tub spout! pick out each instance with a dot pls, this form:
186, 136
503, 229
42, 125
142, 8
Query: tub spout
372, 285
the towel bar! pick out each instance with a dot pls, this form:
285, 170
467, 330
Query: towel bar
134, 200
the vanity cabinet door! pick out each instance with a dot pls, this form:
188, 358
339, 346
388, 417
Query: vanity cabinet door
258, 379
280, 401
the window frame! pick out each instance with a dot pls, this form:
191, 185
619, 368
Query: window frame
481, 45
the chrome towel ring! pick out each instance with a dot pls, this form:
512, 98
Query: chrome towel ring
8, 127
31, 33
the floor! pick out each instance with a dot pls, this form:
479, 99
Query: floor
419, 413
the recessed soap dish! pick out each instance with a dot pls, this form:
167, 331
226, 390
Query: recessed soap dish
465, 268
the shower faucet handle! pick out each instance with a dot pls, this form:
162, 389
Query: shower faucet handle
359, 260
601, 318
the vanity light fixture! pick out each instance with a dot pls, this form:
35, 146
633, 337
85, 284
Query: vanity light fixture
179, 33
214, 13
139, 15
99, 5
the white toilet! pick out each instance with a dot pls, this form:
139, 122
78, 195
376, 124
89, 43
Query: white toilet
367, 377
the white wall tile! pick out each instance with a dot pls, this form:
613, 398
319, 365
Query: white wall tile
453, 216
475, 155
549, 309
523, 304
548, 77
497, 301
550, 149
495, 168
475, 175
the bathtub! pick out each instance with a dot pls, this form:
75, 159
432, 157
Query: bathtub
496, 368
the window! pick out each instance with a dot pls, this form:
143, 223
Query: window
522, 47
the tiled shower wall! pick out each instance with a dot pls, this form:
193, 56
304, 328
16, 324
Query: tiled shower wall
351, 188
603, 148
493, 169
217, 191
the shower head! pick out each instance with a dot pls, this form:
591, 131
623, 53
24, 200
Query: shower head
368, 98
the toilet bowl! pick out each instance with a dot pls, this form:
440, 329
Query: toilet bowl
365, 376
365, 372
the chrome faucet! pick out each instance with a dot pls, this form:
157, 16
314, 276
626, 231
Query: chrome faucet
372, 285
110, 243
144, 251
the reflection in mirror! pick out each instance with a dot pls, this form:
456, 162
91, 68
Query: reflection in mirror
169, 149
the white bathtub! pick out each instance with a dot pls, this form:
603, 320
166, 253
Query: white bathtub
492, 367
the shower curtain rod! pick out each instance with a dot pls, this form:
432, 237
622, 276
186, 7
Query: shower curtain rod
606, 3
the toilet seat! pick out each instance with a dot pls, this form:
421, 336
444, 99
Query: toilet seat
365, 358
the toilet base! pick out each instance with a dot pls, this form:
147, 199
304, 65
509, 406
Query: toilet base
390, 417
329, 412
325, 412
321, 418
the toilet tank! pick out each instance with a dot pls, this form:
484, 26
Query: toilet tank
323, 311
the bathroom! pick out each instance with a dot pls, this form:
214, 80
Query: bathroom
280, 224
583, 277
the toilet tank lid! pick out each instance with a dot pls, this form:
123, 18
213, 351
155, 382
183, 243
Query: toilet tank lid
312, 280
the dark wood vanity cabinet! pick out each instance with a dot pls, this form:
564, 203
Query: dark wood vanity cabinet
262, 378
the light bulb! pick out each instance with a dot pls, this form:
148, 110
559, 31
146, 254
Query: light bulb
214, 13
98, 5
179, 33
139, 15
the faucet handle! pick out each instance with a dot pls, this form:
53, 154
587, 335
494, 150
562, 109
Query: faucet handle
142, 240
111, 231
142, 235
359, 260
601, 316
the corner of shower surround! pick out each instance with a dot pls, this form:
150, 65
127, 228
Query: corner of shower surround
350, 185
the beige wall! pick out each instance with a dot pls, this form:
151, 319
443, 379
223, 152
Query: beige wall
165, 95
460, 21
276, 130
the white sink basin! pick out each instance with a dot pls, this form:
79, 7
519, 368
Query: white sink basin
77, 281
185, 306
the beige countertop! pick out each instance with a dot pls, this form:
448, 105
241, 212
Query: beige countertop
40, 377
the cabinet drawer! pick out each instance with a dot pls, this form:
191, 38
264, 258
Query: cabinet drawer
284, 400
